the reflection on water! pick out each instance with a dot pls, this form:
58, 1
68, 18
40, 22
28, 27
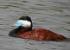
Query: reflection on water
50, 14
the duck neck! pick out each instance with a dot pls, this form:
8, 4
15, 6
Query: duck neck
22, 29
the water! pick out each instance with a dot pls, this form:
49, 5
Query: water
51, 14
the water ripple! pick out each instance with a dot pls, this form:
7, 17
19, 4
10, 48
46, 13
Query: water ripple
51, 14
24, 1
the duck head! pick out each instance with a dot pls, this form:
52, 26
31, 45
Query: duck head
24, 22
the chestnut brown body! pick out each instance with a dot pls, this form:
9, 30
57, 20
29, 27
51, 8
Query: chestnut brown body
40, 34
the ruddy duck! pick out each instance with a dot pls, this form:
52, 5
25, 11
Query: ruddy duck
24, 30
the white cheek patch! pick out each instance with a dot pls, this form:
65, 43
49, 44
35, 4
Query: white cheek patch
23, 23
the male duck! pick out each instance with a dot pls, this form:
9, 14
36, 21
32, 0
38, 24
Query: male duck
24, 30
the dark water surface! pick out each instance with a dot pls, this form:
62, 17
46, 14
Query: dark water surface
50, 14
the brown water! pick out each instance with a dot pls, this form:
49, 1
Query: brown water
51, 14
